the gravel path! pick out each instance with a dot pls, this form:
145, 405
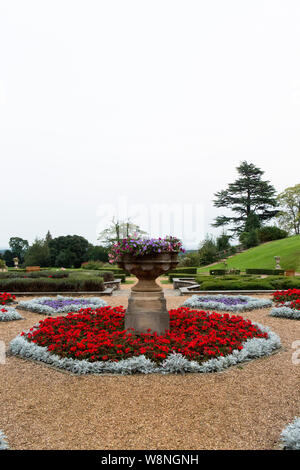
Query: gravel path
242, 408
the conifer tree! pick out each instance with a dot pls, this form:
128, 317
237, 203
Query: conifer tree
248, 195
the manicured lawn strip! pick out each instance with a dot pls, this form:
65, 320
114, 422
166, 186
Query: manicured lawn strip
262, 256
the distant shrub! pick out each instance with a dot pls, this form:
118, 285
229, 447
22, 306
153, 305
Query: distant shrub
269, 233
92, 265
249, 239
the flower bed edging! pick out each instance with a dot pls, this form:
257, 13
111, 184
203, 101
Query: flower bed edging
3, 441
251, 303
174, 363
36, 305
285, 312
290, 436
9, 314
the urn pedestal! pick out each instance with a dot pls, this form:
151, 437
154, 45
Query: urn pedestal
147, 304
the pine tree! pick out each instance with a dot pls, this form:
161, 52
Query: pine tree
248, 195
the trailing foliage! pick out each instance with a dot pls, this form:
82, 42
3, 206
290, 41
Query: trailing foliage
3, 441
290, 436
9, 314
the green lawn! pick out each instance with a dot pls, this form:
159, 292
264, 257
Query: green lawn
263, 256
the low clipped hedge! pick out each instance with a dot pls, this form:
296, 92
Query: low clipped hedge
217, 272
180, 275
52, 285
269, 272
107, 275
185, 270
243, 283
96, 266
234, 285
34, 274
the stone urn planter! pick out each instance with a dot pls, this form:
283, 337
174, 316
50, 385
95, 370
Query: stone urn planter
147, 304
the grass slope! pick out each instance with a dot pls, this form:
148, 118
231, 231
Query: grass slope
263, 256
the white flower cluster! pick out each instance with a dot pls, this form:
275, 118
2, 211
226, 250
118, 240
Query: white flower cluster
247, 302
174, 363
3, 441
290, 436
10, 314
285, 311
36, 304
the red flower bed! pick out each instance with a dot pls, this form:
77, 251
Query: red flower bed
290, 295
6, 298
99, 335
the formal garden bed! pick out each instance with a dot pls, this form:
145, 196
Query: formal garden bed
290, 436
227, 303
9, 314
94, 341
60, 304
287, 304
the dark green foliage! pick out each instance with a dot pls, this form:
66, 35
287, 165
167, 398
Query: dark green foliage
223, 242
208, 252
18, 247
97, 253
235, 285
265, 271
8, 258
34, 274
249, 239
247, 283
217, 272
107, 275
269, 233
189, 259
248, 194
51, 285
180, 275
121, 276
68, 251
38, 254
186, 270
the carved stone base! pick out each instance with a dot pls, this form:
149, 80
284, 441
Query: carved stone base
147, 310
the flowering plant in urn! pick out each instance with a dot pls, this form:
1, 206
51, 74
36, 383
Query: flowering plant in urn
147, 259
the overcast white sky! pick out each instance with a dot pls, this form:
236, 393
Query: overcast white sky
153, 102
